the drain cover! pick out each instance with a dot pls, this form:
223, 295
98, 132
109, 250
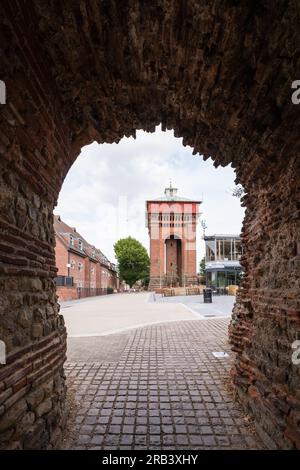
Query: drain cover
220, 354
209, 315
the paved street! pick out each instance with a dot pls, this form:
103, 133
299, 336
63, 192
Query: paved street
113, 313
153, 387
221, 305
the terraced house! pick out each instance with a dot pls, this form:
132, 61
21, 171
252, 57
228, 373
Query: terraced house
83, 270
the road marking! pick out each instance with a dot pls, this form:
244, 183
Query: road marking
202, 315
197, 314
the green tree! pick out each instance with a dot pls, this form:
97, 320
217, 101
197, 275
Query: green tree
202, 266
133, 260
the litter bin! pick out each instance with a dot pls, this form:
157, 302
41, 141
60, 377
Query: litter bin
207, 296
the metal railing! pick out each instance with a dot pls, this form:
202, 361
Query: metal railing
91, 291
64, 281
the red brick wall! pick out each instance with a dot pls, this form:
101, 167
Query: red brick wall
66, 293
189, 259
98, 275
104, 277
160, 232
93, 274
87, 273
156, 257
79, 276
116, 283
61, 258
173, 256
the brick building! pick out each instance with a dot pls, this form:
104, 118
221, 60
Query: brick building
83, 270
171, 222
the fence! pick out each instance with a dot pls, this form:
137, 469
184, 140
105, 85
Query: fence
66, 289
62, 281
182, 291
92, 291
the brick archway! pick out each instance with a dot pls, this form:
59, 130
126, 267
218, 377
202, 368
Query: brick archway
220, 76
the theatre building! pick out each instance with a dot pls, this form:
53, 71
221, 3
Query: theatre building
171, 222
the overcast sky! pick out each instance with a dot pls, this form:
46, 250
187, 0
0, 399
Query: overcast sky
104, 193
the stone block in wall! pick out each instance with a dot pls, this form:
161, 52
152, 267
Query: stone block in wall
9, 419
44, 407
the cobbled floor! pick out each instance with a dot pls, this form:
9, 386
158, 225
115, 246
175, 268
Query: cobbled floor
157, 387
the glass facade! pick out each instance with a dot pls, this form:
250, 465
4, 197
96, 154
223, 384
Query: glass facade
223, 278
223, 249
222, 255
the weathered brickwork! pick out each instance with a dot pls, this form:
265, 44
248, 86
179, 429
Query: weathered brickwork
266, 318
218, 74
34, 140
32, 394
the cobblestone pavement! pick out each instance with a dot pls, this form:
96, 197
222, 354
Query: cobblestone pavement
163, 389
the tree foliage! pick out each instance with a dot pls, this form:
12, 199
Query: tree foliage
238, 191
133, 260
202, 266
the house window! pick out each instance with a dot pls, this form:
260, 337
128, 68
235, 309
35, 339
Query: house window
73, 264
71, 240
80, 266
80, 245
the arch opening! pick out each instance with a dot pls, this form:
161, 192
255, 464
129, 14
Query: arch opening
227, 92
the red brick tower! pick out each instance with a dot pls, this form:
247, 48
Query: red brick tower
172, 222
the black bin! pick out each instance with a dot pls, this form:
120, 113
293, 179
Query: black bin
207, 296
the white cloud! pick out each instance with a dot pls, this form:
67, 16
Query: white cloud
104, 193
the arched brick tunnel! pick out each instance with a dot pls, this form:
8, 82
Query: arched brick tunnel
219, 74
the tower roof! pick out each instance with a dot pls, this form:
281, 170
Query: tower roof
171, 195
